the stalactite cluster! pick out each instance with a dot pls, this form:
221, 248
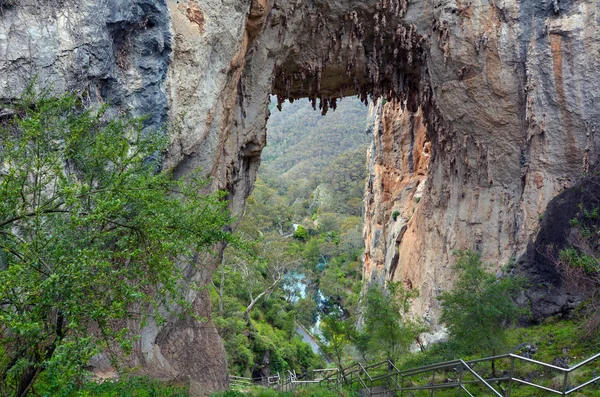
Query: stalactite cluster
361, 56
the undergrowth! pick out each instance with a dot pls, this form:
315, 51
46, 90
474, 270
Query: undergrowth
130, 386
554, 342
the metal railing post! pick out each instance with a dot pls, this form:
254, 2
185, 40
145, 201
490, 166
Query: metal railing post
389, 371
511, 375
565, 383
460, 376
432, 383
402, 385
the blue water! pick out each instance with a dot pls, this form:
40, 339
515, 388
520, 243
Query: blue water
296, 286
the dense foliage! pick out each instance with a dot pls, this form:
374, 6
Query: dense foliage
390, 331
91, 234
480, 307
304, 221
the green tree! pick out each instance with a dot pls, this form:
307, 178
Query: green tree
336, 336
301, 233
387, 323
480, 307
298, 185
91, 233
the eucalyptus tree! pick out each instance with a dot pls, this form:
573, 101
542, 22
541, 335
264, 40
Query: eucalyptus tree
388, 324
480, 306
92, 233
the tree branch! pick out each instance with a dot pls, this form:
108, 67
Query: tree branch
267, 291
31, 214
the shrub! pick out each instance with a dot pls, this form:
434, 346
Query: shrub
480, 307
131, 387
301, 233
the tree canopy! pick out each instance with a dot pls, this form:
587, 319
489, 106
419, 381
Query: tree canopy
388, 328
480, 307
91, 233
303, 219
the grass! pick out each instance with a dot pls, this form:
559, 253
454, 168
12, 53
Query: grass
134, 387
131, 386
554, 342
555, 339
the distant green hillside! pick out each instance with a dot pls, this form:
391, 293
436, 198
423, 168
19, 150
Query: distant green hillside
302, 142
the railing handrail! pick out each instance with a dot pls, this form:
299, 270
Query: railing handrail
467, 365
377, 364
584, 362
365, 371
430, 367
475, 374
358, 368
393, 365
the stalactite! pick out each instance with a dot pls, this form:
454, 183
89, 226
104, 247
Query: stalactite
374, 60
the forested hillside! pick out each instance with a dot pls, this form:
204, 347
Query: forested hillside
302, 266
301, 142
304, 231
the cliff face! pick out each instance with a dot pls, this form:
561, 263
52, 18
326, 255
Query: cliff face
512, 123
490, 113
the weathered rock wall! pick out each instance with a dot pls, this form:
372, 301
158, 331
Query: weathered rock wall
206, 68
491, 112
512, 123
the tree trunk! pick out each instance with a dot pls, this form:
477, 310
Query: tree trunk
221, 289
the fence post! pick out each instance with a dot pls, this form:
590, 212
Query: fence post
511, 375
401, 385
460, 376
565, 383
432, 383
387, 381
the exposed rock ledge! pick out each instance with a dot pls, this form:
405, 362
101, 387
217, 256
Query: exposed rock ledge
491, 113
